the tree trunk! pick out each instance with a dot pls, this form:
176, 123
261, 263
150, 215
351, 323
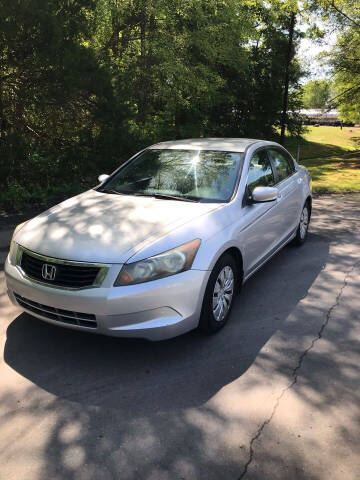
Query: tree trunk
288, 59
143, 67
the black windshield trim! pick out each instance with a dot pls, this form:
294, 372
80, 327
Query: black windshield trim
162, 196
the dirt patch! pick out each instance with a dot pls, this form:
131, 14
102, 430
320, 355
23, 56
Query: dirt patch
350, 164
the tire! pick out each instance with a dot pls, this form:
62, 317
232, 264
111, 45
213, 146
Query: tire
302, 230
212, 320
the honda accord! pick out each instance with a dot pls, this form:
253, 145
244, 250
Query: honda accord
162, 245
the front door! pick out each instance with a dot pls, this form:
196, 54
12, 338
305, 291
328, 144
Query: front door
263, 223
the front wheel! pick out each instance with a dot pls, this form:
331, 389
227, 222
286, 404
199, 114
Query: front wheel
303, 226
219, 295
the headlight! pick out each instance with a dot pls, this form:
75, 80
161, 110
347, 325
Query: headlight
14, 245
168, 263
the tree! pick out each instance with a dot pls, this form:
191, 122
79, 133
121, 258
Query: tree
288, 58
317, 94
344, 58
85, 83
346, 66
50, 86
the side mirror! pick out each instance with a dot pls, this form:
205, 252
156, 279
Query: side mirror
102, 178
264, 194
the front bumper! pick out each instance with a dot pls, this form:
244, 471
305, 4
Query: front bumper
154, 310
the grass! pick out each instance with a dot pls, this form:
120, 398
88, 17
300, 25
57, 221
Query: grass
332, 156
335, 174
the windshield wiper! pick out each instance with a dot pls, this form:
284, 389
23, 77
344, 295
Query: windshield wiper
163, 196
112, 191
173, 197
152, 194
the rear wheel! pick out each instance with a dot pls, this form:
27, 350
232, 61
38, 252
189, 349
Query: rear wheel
219, 295
303, 226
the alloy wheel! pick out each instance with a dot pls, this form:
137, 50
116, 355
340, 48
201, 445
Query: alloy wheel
223, 293
304, 222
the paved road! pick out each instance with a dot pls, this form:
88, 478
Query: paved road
275, 395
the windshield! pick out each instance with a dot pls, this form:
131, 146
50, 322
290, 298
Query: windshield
189, 175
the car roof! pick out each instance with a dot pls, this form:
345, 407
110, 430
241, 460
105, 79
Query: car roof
222, 144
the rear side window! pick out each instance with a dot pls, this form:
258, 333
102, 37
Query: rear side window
260, 172
283, 163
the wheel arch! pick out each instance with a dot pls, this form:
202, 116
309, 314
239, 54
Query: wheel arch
309, 202
237, 255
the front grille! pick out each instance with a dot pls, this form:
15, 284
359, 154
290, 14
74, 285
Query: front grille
65, 316
73, 276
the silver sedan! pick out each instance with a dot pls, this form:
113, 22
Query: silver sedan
163, 244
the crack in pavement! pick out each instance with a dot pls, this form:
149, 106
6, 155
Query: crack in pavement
295, 371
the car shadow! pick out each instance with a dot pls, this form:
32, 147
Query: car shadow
137, 376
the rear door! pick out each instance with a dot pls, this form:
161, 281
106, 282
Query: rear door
288, 181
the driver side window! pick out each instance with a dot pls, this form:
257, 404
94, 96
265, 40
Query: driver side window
283, 163
260, 172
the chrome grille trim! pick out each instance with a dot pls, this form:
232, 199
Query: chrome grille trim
103, 269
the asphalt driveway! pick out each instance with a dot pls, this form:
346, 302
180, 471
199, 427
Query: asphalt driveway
275, 395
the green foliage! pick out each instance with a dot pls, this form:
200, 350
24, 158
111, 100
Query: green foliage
346, 64
317, 94
85, 83
344, 15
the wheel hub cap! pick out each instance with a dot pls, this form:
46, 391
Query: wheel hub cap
304, 222
223, 293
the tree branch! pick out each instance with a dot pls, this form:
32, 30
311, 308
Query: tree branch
344, 14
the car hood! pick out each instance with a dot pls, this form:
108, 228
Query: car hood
105, 228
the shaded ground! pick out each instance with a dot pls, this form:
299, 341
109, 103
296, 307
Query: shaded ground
274, 395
